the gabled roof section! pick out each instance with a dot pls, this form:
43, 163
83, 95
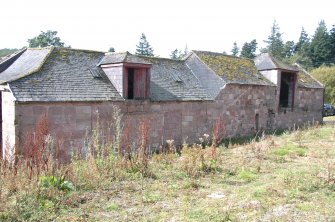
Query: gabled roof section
8, 60
265, 61
208, 79
173, 80
64, 76
306, 80
124, 57
28, 62
233, 69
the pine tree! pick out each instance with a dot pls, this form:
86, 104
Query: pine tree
303, 43
176, 54
275, 42
144, 48
332, 44
289, 49
249, 49
302, 54
320, 46
235, 50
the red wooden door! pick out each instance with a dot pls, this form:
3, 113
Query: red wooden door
140, 84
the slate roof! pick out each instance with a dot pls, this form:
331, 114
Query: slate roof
306, 80
62, 74
8, 60
124, 57
28, 62
173, 80
233, 69
265, 61
209, 80
59, 74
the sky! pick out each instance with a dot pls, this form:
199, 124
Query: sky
212, 25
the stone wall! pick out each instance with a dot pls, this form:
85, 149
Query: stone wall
235, 108
307, 108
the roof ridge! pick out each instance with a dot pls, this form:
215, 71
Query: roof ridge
72, 49
222, 54
113, 53
210, 94
160, 58
273, 59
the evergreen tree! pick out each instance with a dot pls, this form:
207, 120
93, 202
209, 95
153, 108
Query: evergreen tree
249, 49
144, 48
289, 49
235, 50
303, 43
275, 45
176, 54
320, 46
302, 51
332, 44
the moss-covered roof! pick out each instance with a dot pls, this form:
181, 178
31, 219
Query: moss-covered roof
306, 80
233, 69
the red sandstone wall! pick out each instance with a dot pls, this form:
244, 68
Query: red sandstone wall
308, 107
236, 107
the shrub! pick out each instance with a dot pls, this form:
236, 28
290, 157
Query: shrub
57, 182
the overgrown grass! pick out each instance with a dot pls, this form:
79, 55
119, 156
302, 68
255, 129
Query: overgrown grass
270, 178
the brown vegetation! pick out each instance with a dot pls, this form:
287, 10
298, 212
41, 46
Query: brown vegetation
291, 176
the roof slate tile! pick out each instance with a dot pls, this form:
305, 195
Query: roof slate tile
65, 76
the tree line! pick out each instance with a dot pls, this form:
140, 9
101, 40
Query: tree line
315, 53
309, 51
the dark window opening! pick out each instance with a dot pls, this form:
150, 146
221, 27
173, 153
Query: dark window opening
286, 96
130, 83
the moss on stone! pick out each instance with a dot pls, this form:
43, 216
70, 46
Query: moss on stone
228, 67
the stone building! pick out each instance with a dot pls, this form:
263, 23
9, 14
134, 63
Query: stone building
179, 99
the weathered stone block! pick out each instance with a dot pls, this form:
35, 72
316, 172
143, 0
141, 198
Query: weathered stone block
156, 108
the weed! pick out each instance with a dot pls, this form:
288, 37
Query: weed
247, 175
144, 150
149, 197
57, 182
219, 132
281, 152
113, 207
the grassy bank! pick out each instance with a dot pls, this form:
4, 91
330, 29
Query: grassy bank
281, 178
